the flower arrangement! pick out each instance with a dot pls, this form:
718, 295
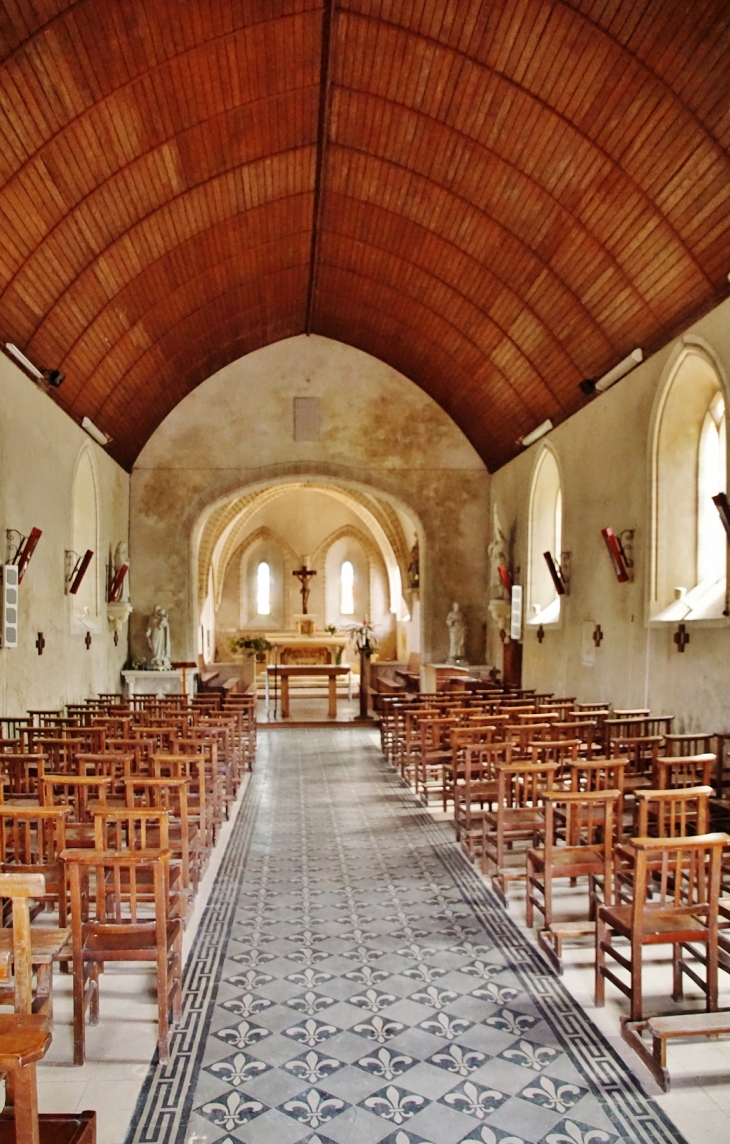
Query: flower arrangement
362, 636
258, 645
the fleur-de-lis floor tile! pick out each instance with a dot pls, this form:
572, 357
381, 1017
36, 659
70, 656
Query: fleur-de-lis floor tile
313, 1107
232, 1110
475, 1100
555, 1095
394, 1104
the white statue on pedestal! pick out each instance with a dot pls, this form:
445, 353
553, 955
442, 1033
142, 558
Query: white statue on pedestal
457, 634
158, 638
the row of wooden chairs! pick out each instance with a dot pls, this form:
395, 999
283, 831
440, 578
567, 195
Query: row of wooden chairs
120, 835
615, 799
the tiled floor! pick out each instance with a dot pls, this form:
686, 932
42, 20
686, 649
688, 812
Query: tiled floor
352, 983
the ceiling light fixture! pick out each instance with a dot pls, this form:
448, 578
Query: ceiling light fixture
100, 437
599, 385
536, 434
23, 360
53, 377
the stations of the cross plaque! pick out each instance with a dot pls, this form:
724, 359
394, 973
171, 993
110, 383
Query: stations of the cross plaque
304, 575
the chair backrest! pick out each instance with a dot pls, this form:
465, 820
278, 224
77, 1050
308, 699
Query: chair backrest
24, 774
640, 751
118, 890
131, 828
584, 819
683, 771
523, 785
480, 764
78, 792
19, 888
677, 876
563, 752
694, 743
673, 813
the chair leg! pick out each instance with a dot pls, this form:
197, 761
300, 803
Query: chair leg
637, 993
530, 882
599, 988
25, 1095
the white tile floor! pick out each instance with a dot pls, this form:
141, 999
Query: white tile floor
120, 1047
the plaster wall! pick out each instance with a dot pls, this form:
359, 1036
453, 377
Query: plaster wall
40, 447
604, 456
379, 431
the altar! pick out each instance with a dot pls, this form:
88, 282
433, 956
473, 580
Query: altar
178, 681
321, 648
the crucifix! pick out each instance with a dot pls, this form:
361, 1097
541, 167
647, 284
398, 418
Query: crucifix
597, 635
40, 643
304, 575
681, 637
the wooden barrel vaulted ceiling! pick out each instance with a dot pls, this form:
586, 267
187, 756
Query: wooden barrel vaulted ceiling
497, 198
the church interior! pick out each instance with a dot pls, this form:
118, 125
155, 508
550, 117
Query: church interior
363, 467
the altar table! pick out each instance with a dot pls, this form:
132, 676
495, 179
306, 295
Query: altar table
286, 671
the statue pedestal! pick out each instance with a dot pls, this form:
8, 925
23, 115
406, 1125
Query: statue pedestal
176, 682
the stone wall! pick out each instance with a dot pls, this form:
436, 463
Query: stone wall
379, 432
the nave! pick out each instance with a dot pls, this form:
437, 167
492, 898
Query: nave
353, 981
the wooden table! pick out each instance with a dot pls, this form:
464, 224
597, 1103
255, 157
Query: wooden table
286, 671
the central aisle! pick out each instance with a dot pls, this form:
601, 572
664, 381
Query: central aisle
354, 982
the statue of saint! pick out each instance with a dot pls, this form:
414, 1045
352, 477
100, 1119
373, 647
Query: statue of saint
158, 638
414, 569
457, 634
121, 557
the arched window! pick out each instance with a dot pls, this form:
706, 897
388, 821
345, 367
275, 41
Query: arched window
546, 535
347, 588
689, 551
711, 470
263, 589
85, 603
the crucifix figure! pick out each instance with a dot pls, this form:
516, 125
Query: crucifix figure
304, 575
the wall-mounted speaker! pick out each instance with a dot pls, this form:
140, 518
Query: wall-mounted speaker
9, 598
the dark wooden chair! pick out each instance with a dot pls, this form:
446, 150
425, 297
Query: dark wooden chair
28, 951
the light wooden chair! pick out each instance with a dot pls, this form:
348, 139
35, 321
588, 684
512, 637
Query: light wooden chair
108, 925
579, 838
680, 906
518, 818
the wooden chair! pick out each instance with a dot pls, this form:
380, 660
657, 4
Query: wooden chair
579, 837
678, 908
25, 1038
29, 951
453, 772
113, 928
661, 814
478, 792
641, 753
434, 755
518, 818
